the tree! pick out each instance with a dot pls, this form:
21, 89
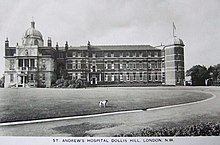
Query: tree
198, 75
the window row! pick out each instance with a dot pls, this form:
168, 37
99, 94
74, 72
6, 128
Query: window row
111, 54
133, 77
26, 63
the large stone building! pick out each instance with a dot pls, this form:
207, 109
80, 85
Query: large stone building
36, 65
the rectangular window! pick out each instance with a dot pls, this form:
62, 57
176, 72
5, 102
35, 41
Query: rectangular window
134, 75
128, 78
106, 65
127, 65
152, 65
93, 69
32, 63
20, 63
106, 77
76, 76
149, 77
121, 77
26, 62
124, 66
93, 55
149, 65
113, 78
120, 65
113, 65
11, 77
137, 65
141, 65
141, 77
159, 65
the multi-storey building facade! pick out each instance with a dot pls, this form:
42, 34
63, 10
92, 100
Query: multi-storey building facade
33, 64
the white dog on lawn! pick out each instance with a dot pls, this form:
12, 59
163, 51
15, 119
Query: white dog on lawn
103, 103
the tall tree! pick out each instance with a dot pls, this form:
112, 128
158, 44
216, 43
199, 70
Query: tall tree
198, 75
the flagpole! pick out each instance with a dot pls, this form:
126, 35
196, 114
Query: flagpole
174, 28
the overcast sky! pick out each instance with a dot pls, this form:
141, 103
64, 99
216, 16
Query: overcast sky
117, 22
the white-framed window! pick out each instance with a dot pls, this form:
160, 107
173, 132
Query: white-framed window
106, 65
134, 75
127, 64
128, 77
121, 77
120, 65
113, 65
113, 78
106, 77
156, 77
141, 76
149, 77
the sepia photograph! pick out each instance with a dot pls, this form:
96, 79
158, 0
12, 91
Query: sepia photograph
109, 71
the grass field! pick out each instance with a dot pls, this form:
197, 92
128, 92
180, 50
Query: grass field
30, 104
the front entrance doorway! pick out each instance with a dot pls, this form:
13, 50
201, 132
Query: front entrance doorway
93, 80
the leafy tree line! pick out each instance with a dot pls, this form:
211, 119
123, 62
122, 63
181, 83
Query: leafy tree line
201, 75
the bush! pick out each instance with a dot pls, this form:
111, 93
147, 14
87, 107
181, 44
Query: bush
199, 129
61, 83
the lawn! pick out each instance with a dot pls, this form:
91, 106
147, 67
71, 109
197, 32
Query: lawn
30, 104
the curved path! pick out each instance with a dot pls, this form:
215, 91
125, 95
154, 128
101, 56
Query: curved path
121, 122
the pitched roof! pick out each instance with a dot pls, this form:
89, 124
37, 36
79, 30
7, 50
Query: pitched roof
112, 47
122, 47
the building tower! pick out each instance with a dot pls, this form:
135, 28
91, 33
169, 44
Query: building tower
174, 62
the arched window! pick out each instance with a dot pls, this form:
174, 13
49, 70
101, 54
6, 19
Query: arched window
35, 42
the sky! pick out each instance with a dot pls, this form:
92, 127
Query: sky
112, 22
